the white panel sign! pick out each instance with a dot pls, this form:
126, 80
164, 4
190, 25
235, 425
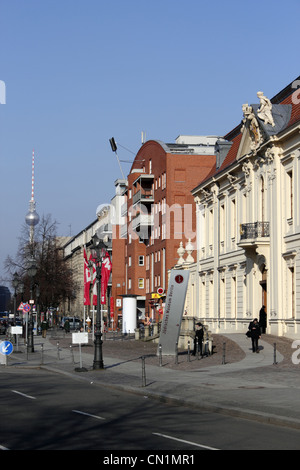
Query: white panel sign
173, 312
16, 330
80, 338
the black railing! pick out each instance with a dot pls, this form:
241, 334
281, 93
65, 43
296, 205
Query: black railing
255, 230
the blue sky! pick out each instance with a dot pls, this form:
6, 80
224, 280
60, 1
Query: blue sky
78, 72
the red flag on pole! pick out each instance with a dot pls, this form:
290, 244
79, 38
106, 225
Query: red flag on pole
94, 281
87, 281
105, 273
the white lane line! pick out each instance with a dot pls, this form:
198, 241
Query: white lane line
182, 440
3, 448
24, 395
87, 414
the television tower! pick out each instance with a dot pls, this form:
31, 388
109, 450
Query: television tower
32, 218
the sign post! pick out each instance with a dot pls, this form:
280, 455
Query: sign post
17, 330
6, 348
80, 338
174, 305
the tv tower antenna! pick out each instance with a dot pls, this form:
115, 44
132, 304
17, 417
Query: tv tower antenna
32, 218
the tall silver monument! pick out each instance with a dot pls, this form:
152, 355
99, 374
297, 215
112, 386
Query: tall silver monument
32, 218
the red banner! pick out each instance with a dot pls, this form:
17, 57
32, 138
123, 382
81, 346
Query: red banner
112, 307
105, 273
87, 281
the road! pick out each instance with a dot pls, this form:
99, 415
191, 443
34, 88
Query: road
47, 411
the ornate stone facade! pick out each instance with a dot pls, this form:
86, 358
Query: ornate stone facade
248, 224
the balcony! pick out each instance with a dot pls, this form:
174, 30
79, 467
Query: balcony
143, 196
254, 234
255, 230
124, 209
142, 224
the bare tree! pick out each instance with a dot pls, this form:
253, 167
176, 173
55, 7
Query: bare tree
53, 275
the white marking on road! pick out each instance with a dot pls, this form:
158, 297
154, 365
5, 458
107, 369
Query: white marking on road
186, 442
3, 448
87, 414
24, 395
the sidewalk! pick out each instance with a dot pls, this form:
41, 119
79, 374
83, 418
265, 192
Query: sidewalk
253, 387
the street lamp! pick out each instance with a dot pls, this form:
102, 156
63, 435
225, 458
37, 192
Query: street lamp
15, 283
98, 250
32, 270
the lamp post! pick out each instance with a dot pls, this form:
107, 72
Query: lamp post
98, 249
32, 270
15, 283
37, 294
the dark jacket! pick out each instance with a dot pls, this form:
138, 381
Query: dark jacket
254, 329
199, 335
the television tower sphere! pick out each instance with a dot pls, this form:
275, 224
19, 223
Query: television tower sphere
32, 218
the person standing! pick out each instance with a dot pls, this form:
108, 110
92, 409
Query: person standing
198, 339
263, 319
45, 327
67, 326
254, 329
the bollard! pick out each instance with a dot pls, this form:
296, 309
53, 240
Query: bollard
42, 354
176, 353
189, 352
72, 353
143, 372
160, 355
58, 350
223, 358
274, 362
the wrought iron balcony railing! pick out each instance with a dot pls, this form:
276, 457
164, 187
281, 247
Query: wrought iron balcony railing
255, 230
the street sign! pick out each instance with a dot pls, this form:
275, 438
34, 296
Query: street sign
160, 291
21, 306
16, 330
80, 338
6, 348
26, 308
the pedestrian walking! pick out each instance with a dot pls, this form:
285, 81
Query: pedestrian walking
254, 329
67, 326
263, 319
198, 339
45, 327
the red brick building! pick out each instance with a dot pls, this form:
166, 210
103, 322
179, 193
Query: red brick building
158, 215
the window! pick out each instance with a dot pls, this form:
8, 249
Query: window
129, 260
222, 225
141, 260
233, 219
141, 283
290, 194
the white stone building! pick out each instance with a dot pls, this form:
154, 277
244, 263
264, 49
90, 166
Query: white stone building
248, 223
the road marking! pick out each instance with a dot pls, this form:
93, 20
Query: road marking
3, 448
87, 414
186, 442
23, 394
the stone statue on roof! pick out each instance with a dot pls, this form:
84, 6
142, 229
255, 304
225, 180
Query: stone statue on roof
265, 110
251, 123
